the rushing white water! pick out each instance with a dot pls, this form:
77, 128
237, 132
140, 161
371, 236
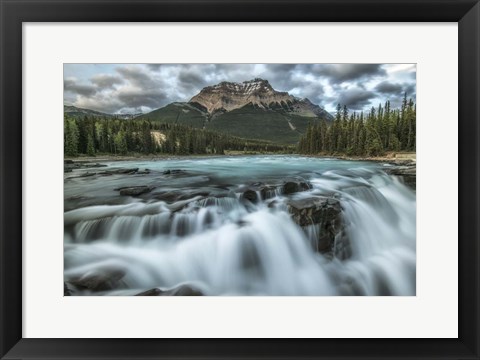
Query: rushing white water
211, 237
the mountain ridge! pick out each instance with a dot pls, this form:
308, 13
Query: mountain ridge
251, 109
75, 111
227, 96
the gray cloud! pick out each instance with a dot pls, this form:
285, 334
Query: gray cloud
386, 87
355, 98
154, 67
411, 90
282, 68
137, 76
117, 88
136, 99
191, 79
106, 81
338, 73
70, 85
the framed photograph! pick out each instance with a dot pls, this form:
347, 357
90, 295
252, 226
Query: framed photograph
236, 179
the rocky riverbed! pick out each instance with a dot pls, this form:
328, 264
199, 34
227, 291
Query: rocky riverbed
305, 211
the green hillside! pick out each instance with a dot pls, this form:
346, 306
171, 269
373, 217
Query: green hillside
254, 123
77, 112
178, 113
250, 122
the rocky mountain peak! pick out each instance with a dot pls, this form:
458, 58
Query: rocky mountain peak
228, 96
245, 88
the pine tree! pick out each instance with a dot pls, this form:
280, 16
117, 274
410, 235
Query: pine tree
71, 138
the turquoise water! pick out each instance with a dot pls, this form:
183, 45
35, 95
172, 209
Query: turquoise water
194, 227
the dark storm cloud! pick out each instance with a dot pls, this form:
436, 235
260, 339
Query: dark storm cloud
136, 99
411, 90
355, 98
285, 77
386, 87
137, 76
106, 81
144, 87
281, 67
338, 73
70, 85
154, 67
191, 79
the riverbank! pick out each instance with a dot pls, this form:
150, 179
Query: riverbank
401, 164
392, 158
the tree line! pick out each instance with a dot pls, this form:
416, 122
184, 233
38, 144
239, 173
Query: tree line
371, 134
93, 135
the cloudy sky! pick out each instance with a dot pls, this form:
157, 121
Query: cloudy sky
133, 88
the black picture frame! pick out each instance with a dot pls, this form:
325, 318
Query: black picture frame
15, 12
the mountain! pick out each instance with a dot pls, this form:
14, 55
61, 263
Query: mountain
228, 96
77, 112
251, 109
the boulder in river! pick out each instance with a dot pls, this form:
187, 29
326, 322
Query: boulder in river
182, 290
250, 195
175, 172
407, 173
99, 280
121, 171
134, 190
314, 210
322, 216
66, 290
256, 192
291, 187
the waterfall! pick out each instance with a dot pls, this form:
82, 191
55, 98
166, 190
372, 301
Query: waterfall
228, 245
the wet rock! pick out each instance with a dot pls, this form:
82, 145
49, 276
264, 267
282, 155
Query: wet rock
85, 174
66, 290
99, 280
321, 216
122, 171
267, 192
291, 187
182, 290
314, 210
76, 202
151, 292
167, 196
251, 196
342, 248
272, 204
193, 194
257, 191
70, 165
181, 204
96, 165
134, 190
407, 173
174, 172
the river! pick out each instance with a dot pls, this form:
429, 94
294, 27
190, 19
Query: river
239, 225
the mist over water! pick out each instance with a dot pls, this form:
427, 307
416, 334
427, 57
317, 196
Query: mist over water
198, 227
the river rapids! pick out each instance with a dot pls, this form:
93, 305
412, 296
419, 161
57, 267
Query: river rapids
257, 225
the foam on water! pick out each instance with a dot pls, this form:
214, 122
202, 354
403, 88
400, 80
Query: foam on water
229, 246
